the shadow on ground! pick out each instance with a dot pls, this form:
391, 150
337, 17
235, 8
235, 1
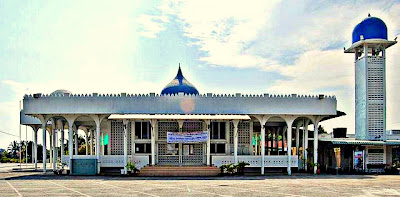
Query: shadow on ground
51, 176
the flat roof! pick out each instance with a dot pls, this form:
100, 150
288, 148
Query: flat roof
353, 141
385, 43
177, 116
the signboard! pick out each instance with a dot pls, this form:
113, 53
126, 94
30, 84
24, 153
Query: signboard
337, 156
187, 137
358, 160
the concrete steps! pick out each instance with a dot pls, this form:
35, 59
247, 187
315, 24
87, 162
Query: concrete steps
179, 171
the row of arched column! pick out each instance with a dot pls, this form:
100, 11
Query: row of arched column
54, 124
289, 120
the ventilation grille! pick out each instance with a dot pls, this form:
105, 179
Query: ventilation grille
117, 138
243, 133
376, 98
166, 126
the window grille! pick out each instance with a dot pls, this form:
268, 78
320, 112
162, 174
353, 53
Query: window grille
117, 138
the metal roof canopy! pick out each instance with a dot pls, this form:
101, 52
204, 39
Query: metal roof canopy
177, 117
360, 142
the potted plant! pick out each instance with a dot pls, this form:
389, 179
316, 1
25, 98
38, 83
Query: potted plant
224, 168
316, 164
240, 167
60, 171
131, 168
231, 169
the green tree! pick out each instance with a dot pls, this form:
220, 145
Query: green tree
321, 129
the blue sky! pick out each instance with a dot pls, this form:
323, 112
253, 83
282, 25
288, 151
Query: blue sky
253, 47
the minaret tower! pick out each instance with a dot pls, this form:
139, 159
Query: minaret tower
369, 45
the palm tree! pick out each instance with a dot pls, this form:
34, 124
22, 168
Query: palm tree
13, 149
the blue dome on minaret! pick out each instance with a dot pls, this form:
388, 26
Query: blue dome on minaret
179, 84
370, 28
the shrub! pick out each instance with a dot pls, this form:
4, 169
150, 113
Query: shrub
234, 168
240, 167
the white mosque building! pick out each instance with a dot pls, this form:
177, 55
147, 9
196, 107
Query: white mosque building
181, 127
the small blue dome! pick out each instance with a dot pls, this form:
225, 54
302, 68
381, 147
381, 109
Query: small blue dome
179, 84
370, 28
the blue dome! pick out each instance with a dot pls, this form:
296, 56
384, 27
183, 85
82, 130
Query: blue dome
179, 84
370, 28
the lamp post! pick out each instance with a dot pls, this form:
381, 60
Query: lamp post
20, 144
26, 145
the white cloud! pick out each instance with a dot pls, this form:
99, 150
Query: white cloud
300, 40
150, 25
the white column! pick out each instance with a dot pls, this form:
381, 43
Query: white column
125, 122
208, 142
297, 139
26, 145
289, 149
263, 127
44, 146
283, 139
289, 122
62, 142
256, 146
35, 130
251, 150
86, 142
51, 147
53, 136
76, 141
315, 146
33, 146
56, 144
70, 144
235, 140
305, 131
91, 142
102, 144
98, 146
133, 138
153, 142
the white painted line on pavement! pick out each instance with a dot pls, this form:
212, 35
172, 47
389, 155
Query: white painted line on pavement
192, 190
76, 191
15, 189
103, 183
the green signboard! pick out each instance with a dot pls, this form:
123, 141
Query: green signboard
84, 166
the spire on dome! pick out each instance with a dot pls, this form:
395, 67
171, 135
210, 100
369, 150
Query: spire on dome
179, 76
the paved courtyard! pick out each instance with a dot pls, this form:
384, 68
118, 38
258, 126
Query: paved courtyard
27, 183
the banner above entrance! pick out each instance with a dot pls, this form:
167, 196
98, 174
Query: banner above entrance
187, 137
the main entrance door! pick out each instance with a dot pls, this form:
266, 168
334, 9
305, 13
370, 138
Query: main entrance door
181, 154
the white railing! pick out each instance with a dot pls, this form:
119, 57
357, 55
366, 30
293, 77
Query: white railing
255, 161
140, 161
118, 160
112, 160
169, 159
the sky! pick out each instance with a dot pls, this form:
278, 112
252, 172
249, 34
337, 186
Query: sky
225, 46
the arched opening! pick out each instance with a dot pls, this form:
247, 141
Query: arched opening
302, 142
275, 139
84, 135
